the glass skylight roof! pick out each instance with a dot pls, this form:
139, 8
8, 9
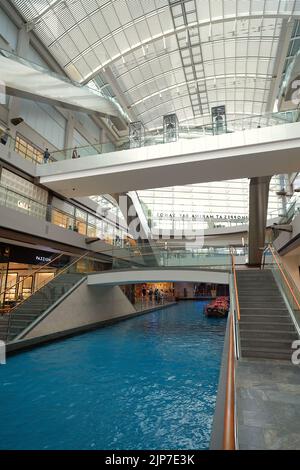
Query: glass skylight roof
182, 56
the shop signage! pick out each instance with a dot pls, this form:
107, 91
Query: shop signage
22, 254
193, 217
24, 205
42, 259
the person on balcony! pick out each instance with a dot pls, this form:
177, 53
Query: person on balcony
5, 136
75, 153
46, 155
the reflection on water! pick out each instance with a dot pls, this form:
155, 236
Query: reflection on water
145, 383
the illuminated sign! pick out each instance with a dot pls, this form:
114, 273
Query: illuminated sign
24, 205
42, 259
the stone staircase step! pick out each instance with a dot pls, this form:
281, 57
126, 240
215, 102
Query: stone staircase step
269, 319
24, 317
284, 327
266, 354
270, 313
268, 334
261, 305
277, 344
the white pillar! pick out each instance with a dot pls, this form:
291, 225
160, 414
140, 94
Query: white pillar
14, 102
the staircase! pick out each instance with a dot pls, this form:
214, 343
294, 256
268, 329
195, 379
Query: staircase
266, 328
12, 325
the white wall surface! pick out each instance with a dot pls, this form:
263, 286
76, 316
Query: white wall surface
292, 264
157, 275
85, 306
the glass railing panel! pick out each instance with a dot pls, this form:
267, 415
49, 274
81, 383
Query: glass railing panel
285, 281
85, 151
40, 68
21, 203
156, 257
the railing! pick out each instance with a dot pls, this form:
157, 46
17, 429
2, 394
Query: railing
271, 260
173, 255
292, 208
236, 295
157, 137
229, 441
229, 434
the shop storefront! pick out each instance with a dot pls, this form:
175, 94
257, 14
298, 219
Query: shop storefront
166, 288
23, 271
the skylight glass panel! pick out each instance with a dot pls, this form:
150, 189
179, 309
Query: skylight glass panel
243, 7
122, 11
87, 35
229, 8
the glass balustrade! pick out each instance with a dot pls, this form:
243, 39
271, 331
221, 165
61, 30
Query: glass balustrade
78, 221
157, 137
274, 262
170, 257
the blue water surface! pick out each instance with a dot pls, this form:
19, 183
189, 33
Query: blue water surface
145, 383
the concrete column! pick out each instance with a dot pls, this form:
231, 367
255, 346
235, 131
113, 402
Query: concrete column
69, 134
258, 210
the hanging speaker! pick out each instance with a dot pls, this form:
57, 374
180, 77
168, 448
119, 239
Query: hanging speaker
16, 121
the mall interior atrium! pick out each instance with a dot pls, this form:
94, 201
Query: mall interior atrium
150, 224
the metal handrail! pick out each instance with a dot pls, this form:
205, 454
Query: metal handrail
272, 250
237, 303
229, 414
29, 275
229, 434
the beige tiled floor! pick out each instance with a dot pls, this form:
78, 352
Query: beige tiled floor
268, 404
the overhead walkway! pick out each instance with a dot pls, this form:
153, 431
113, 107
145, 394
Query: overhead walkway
253, 152
137, 276
25, 79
